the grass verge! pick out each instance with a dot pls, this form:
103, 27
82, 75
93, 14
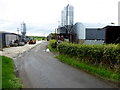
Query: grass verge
9, 80
0, 72
98, 71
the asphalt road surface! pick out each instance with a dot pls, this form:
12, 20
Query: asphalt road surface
39, 69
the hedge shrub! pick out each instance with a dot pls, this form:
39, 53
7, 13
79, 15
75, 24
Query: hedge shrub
102, 55
53, 43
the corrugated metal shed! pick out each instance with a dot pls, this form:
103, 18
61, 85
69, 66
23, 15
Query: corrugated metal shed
89, 31
95, 34
7, 37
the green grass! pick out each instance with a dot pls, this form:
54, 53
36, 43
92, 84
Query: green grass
37, 37
98, 71
0, 72
9, 80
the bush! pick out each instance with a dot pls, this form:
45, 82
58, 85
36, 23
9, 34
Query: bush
53, 43
105, 55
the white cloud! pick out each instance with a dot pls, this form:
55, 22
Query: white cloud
43, 15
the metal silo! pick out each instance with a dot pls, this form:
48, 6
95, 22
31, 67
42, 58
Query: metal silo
23, 29
67, 15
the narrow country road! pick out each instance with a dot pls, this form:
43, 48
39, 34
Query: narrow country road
39, 69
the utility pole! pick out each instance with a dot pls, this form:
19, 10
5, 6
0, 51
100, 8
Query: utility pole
18, 30
56, 33
58, 24
18, 33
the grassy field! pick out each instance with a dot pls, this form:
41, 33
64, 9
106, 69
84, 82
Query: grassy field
9, 80
37, 37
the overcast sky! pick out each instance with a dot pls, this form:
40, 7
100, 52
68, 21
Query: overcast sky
42, 16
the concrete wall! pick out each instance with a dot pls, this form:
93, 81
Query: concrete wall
80, 41
94, 42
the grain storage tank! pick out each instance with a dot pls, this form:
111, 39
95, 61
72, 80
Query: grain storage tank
23, 29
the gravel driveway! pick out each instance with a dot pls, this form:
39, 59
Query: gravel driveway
13, 52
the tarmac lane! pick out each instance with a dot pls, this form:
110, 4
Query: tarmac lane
39, 69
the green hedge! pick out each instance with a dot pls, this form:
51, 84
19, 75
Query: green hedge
107, 55
53, 45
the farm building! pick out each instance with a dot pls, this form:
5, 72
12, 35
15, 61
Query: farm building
97, 35
6, 38
88, 35
112, 34
63, 32
82, 33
